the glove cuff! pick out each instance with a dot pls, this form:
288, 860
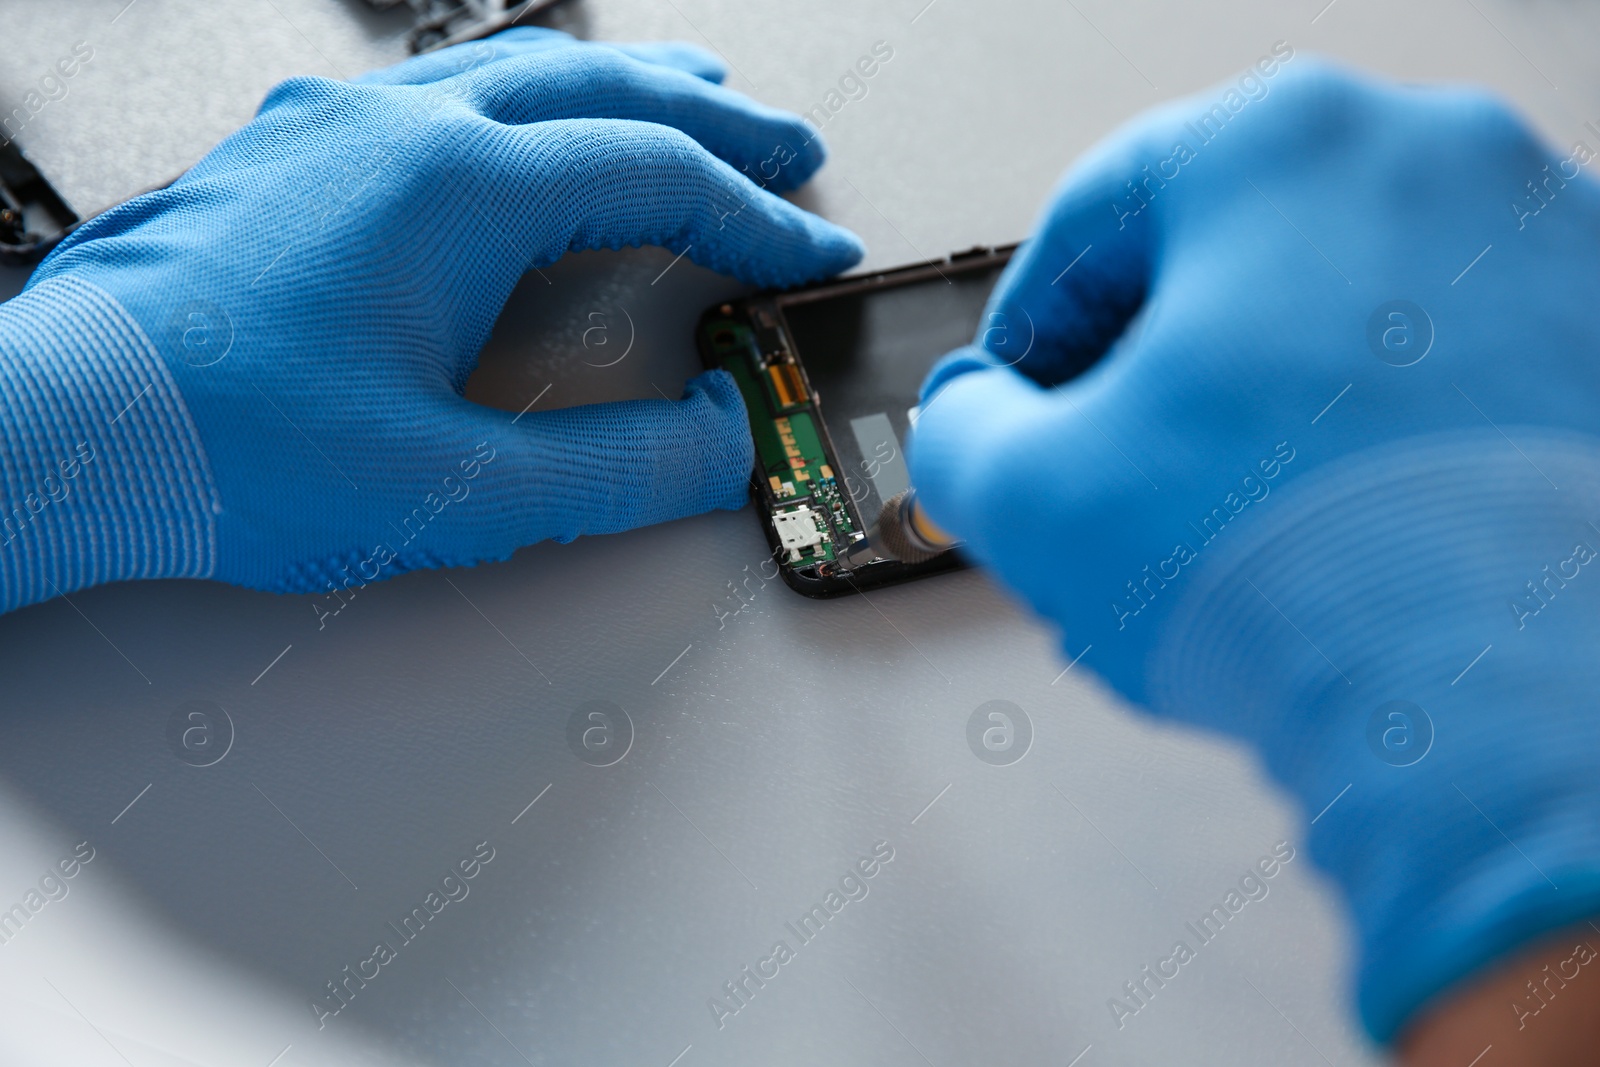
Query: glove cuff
102, 475
1506, 905
1408, 634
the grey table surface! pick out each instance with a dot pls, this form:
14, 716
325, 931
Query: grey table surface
775, 740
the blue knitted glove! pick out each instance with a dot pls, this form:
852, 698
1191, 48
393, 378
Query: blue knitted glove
255, 374
1260, 422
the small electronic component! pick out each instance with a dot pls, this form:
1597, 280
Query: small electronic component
826, 374
811, 517
827, 497
787, 385
798, 531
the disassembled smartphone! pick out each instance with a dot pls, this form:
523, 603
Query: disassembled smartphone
830, 374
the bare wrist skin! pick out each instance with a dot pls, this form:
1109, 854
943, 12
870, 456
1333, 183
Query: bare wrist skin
1539, 1008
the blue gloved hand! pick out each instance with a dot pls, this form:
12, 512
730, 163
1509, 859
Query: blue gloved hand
255, 374
1288, 411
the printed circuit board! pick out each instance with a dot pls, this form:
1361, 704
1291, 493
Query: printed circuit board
810, 511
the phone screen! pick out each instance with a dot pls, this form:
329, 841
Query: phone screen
866, 352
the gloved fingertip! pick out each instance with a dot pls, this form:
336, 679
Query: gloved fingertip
719, 386
963, 360
807, 248
792, 161
733, 454
842, 248
965, 446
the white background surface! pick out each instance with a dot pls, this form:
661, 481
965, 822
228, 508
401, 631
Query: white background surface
773, 746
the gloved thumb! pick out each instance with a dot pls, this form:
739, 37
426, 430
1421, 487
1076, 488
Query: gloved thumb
1029, 476
605, 468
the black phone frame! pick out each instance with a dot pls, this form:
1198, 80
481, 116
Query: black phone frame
836, 581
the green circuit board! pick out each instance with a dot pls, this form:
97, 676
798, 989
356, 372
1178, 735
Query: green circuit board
796, 479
